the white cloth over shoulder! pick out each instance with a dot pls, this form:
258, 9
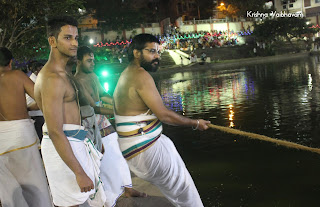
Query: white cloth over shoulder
22, 178
158, 162
63, 184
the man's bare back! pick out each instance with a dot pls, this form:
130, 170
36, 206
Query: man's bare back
128, 101
13, 86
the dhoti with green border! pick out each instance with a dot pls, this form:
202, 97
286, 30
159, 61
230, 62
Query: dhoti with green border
62, 181
153, 157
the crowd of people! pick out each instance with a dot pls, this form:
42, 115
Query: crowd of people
190, 41
186, 41
84, 160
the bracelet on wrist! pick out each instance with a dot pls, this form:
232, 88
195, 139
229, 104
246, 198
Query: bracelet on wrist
198, 122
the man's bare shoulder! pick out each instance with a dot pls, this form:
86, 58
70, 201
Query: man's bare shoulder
85, 77
16, 76
15, 73
49, 78
137, 74
143, 77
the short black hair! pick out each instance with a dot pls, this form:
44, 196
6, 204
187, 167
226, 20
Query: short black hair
5, 56
83, 50
139, 43
55, 24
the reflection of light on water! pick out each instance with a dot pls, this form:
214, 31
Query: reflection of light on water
231, 115
310, 82
192, 93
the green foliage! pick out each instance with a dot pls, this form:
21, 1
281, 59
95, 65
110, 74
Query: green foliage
203, 9
119, 15
247, 5
23, 24
284, 28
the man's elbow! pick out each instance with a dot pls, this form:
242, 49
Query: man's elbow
54, 134
164, 117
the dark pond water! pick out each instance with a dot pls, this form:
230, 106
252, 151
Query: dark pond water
280, 100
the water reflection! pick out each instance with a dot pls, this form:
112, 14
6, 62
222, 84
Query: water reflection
280, 100
231, 116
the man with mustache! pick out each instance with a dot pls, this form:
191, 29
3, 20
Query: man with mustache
70, 159
115, 173
139, 111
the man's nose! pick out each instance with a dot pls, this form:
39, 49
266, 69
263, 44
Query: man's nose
74, 42
157, 55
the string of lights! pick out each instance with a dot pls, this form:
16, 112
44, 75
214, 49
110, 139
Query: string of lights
177, 37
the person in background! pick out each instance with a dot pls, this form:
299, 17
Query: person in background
114, 170
22, 178
139, 113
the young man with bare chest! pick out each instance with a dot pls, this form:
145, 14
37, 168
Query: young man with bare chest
139, 111
22, 177
115, 173
67, 154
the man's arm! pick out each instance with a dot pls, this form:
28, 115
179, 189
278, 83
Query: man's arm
102, 110
104, 96
52, 107
85, 97
28, 85
148, 92
33, 106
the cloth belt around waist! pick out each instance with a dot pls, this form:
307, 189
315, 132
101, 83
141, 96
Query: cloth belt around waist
136, 149
77, 134
107, 131
150, 125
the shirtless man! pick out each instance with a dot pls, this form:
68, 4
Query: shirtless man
22, 177
65, 153
139, 111
115, 173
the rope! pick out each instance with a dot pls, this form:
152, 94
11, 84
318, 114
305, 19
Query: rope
265, 138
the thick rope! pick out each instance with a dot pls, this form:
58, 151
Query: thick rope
265, 138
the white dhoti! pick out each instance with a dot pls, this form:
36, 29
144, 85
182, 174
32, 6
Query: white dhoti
115, 173
114, 170
22, 178
153, 157
63, 184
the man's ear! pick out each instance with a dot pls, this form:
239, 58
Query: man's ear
137, 53
52, 41
78, 62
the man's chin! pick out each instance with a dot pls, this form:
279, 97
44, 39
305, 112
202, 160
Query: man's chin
155, 69
152, 69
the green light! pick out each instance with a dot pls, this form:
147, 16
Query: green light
106, 86
104, 73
